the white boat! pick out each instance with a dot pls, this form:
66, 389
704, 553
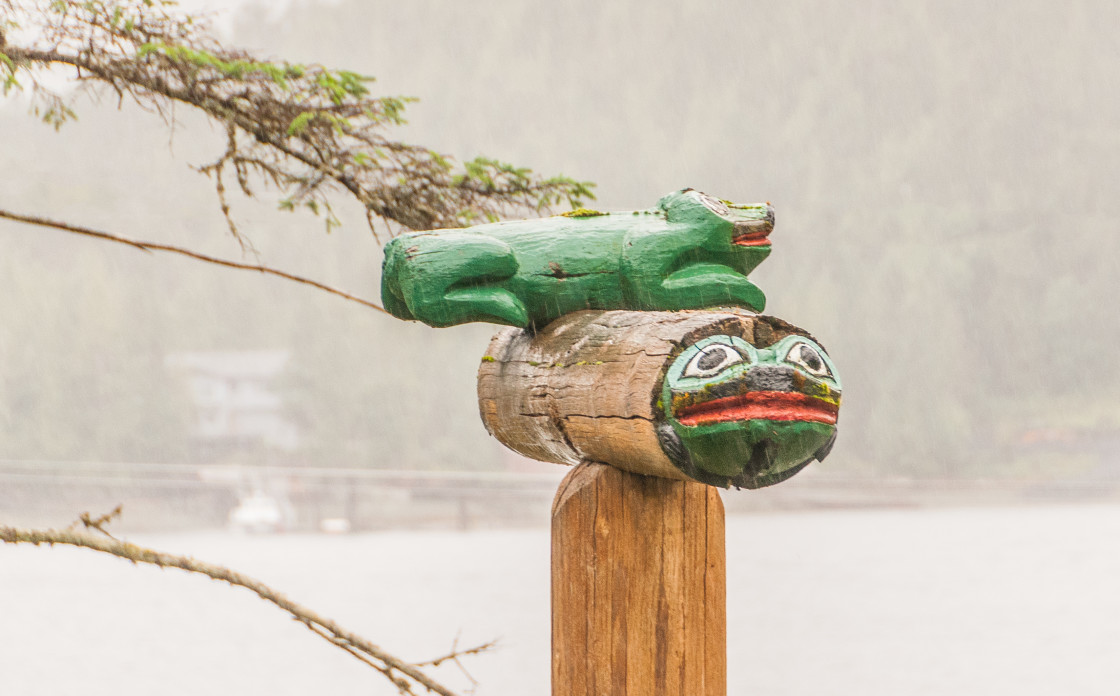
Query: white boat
257, 512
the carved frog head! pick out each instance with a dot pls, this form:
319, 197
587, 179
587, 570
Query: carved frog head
740, 415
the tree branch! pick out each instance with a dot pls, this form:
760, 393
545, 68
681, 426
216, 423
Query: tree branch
304, 129
354, 644
153, 246
454, 656
455, 653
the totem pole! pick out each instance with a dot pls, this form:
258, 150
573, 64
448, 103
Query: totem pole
638, 355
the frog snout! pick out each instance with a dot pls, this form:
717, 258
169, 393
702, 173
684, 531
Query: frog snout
769, 378
752, 232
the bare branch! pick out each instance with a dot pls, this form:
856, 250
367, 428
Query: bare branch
403, 685
153, 246
454, 656
456, 653
99, 523
354, 644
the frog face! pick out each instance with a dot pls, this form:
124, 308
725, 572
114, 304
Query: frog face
749, 225
745, 416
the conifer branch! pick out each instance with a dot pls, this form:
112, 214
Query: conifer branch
305, 131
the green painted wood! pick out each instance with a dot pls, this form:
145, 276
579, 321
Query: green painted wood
736, 414
691, 251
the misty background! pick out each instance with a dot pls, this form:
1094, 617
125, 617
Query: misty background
943, 175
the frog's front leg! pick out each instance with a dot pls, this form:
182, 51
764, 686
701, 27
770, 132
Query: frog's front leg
700, 285
445, 281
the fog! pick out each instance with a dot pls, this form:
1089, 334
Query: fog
943, 176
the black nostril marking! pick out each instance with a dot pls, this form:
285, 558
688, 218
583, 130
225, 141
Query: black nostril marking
762, 458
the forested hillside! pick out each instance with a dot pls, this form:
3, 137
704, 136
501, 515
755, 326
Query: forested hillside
943, 175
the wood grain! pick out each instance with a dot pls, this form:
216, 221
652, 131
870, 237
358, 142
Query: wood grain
638, 586
585, 388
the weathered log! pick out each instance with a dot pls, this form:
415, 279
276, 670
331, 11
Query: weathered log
699, 395
639, 599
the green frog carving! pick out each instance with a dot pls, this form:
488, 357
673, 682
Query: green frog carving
689, 252
745, 416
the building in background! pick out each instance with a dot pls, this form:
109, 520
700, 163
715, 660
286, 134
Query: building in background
238, 407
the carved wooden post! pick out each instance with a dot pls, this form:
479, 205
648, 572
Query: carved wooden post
670, 400
615, 366
638, 586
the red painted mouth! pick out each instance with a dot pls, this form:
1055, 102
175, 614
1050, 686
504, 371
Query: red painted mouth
752, 239
761, 405
752, 233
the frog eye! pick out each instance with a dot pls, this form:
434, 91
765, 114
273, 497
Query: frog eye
807, 358
712, 204
711, 360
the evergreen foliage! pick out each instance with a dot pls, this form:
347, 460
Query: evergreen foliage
306, 130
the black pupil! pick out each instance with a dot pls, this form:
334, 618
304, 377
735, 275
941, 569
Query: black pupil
810, 358
711, 358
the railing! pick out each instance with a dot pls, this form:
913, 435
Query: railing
170, 495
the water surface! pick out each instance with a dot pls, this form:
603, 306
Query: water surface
978, 601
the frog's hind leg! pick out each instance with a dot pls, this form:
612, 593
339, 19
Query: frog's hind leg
700, 285
458, 280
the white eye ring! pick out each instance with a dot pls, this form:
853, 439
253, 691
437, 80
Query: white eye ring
807, 358
711, 360
712, 204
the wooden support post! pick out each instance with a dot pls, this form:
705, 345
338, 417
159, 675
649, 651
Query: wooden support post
639, 599
654, 408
